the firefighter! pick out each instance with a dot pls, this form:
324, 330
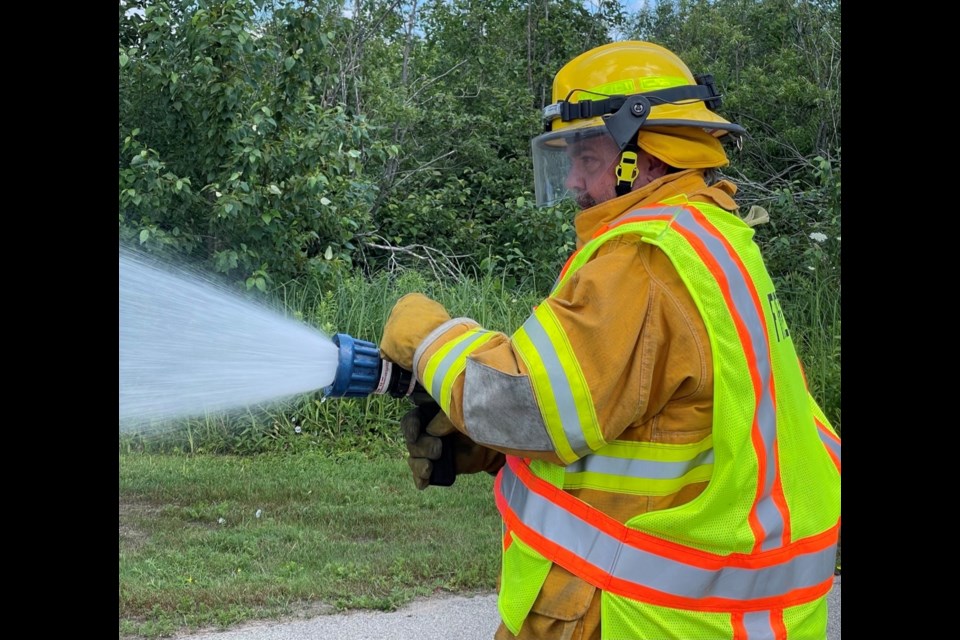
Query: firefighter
662, 470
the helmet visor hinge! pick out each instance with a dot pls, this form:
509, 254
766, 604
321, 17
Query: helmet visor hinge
626, 122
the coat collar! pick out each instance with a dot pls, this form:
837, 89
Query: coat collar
689, 182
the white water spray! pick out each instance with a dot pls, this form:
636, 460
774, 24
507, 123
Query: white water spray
189, 346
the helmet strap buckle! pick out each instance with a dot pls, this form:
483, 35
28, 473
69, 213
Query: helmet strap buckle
627, 170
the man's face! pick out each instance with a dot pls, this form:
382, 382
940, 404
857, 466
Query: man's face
592, 176
592, 165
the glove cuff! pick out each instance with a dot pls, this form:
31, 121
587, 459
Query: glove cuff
435, 334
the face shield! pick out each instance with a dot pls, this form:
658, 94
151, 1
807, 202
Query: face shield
557, 153
580, 147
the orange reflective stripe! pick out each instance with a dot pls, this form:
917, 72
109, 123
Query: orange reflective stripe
777, 495
759, 444
640, 566
739, 631
779, 627
671, 550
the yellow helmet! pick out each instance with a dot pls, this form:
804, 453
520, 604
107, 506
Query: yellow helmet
640, 94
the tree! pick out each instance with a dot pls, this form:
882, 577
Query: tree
234, 148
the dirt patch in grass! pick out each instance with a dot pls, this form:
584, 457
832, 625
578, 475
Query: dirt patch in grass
132, 537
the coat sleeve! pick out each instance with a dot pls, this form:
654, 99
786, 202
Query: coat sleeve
605, 352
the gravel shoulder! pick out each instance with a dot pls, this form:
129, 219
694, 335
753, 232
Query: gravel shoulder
436, 618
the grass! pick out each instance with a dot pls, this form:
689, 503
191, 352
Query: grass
217, 540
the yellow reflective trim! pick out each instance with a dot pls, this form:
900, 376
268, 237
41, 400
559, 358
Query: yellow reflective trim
680, 198
629, 86
578, 383
660, 82
656, 451
637, 486
617, 87
430, 371
446, 389
652, 452
642, 227
544, 393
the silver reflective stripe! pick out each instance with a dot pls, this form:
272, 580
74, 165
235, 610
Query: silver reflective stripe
829, 442
757, 624
563, 396
649, 570
448, 361
634, 468
740, 291
744, 306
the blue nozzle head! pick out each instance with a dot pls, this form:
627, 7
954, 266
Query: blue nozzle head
358, 368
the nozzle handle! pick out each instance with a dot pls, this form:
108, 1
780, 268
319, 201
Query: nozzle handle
443, 473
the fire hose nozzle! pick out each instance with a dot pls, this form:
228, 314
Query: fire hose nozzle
362, 372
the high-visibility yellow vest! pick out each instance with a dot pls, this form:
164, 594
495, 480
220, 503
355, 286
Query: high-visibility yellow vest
753, 556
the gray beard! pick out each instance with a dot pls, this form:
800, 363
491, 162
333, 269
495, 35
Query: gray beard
584, 201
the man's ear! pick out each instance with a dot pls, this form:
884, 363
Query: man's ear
650, 168
656, 167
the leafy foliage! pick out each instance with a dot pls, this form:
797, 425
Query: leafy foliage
272, 138
235, 157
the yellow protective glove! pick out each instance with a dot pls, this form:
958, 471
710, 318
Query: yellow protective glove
412, 318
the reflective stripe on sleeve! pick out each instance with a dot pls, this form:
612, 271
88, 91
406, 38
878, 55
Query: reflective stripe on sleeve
448, 363
561, 391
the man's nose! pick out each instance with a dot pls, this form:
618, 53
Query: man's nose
574, 180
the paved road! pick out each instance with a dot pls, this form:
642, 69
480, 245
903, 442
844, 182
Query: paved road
462, 618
